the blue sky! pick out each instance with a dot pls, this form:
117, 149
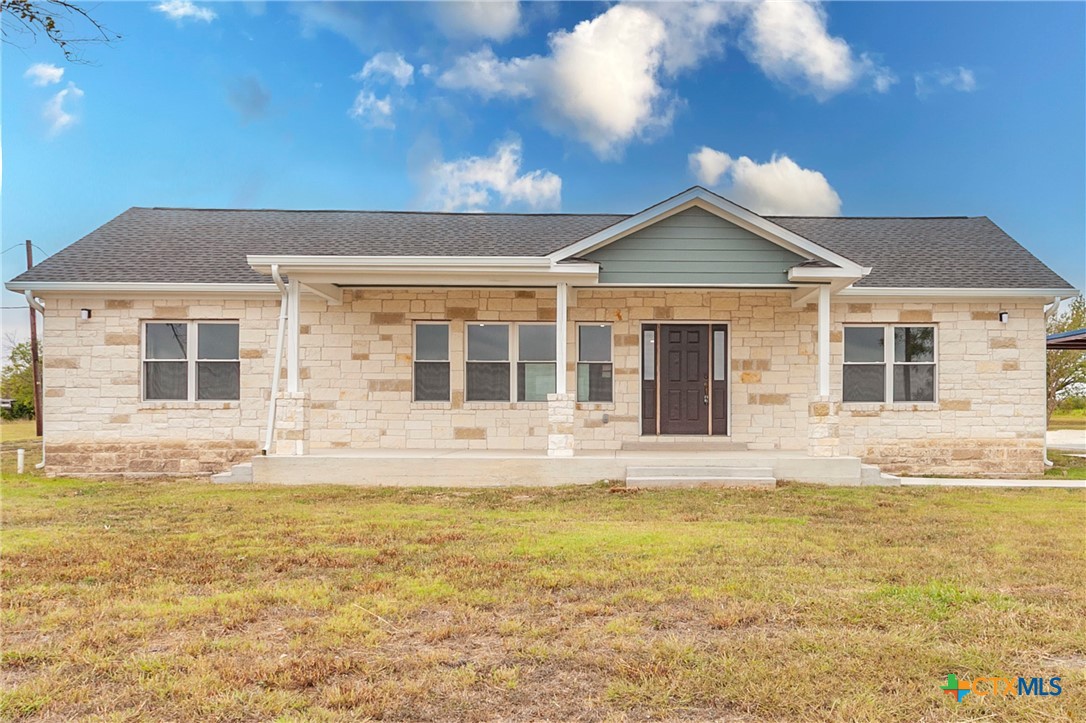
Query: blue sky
850, 108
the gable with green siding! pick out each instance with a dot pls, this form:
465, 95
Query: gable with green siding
694, 247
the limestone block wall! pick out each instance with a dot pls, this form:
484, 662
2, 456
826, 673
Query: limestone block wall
989, 415
95, 419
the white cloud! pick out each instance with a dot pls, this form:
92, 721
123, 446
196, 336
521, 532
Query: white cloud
484, 19
477, 182
600, 81
371, 111
43, 74
56, 114
778, 187
180, 10
789, 41
387, 64
960, 79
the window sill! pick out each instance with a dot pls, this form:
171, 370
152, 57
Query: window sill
505, 405
595, 406
184, 404
889, 406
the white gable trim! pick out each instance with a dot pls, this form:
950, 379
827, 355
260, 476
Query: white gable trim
698, 197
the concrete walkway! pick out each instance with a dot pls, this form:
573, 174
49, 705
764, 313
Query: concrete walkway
1067, 440
956, 482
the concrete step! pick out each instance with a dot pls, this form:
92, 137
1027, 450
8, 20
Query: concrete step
872, 476
713, 470
238, 473
697, 476
679, 482
686, 444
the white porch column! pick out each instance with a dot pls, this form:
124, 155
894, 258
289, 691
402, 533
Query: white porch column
561, 405
824, 341
294, 294
561, 328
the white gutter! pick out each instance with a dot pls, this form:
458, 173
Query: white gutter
37, 306
950, 292
280, 330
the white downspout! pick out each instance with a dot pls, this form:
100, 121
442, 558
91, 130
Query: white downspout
1048, 315
37, 306
281, 329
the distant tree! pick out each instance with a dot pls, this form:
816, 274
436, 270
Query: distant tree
1066, 368
17, 382
65, 24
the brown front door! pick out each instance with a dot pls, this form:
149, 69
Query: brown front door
684, 379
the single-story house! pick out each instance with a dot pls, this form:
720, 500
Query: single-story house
410, 347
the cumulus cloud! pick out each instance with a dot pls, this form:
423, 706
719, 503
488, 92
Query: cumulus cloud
789, 41
180, 10
249, 98
57, 113
478, 19
387, 65
600, 82
42, 74
371, 111
960, 79
476, 183
778, 187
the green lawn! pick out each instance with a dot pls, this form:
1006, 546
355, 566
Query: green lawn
17, 430
1066, 466
1068, 420
187, 601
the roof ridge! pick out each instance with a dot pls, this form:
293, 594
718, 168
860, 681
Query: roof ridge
357, 210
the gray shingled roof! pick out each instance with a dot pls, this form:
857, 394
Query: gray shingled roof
210, 246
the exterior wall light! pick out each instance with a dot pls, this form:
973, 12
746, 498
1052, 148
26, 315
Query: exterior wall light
1004, 316
84, 313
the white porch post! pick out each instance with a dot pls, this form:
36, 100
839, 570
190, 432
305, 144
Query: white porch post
561, 328
824, 341
560, 405
293, 333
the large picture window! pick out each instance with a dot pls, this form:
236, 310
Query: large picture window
431, 362
536, 366
488, 367
594, 363
889, 363
191, 361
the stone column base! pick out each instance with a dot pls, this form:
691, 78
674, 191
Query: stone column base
824, 428
560, 409
292, 424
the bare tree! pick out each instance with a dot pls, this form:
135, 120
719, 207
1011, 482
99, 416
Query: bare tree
66, 24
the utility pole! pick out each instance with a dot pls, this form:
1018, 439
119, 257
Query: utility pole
34, 361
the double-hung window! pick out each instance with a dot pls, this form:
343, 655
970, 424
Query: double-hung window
191, 361
594, 363
884, 363
431, 361
536, 366
488, 365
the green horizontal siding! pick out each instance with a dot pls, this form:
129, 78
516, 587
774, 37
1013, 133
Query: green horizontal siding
694, 247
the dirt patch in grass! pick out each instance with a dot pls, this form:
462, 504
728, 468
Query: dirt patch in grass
187, 601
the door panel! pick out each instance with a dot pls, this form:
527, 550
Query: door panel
684, 388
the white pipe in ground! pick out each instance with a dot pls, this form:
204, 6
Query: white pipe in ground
20, 460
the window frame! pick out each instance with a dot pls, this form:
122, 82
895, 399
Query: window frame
517, 361
192, 359
610, 362
415, 361
508, 361
889, 361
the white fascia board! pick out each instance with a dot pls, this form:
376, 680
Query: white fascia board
821, 274
126, 287
719, 206
894, 291
670, 285
415, 270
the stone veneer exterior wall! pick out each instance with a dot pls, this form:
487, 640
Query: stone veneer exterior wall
356, 377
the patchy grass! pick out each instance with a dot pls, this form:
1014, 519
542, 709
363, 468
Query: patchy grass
1066, 466
186, 601
17, 430
1074, 419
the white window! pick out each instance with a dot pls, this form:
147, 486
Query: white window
431, 361
488, 366
594, 363
191, 361
536, 366
902, 370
